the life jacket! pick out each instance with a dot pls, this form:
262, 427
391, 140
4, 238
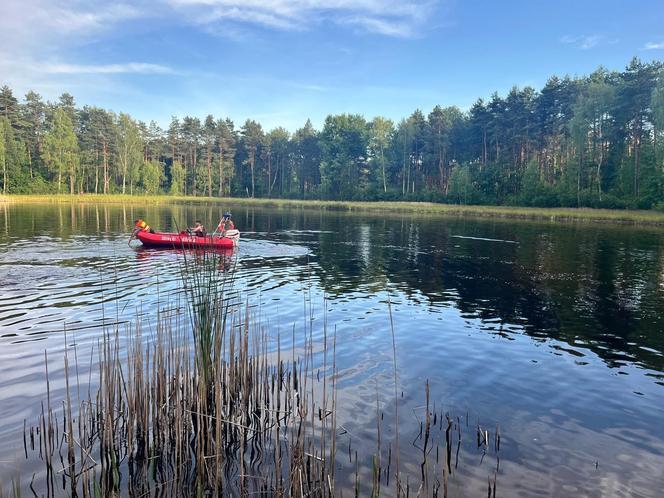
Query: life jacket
142, 226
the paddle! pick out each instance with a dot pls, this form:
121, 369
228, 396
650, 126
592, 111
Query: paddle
215, 230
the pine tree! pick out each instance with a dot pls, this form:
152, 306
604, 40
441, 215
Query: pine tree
129, 151
33, 119
252, 137
61, 152
4, 126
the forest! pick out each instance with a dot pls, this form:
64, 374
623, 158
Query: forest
591, 141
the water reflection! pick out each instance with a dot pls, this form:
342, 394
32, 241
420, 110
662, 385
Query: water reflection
594, 287
598, 288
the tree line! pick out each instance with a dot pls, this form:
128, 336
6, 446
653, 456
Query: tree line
595, 141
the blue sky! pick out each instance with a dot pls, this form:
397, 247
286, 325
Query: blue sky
283, 61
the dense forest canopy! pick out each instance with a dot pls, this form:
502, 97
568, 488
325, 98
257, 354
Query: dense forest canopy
593, 141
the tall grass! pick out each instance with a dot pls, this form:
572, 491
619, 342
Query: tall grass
208, 278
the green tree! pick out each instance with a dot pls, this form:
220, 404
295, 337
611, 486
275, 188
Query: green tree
61, 152
209, 136
173, 139
129, 151
344, 144
154, 142
177, 178
33, 119
306, 157
381, 131
96, 133
657, 106
416, 172
589, 127
462, 189
276, 155
252, 137
151, 176
191, 136
479, 128
12, 160
67, 103
530, 184
443, 122
9, 105
633, 98
553, 111
4, 126
226, 144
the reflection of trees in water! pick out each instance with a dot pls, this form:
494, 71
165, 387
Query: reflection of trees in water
608, 299
599, 287
422, 257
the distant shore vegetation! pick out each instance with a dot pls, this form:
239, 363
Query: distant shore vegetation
401, 208
594, 141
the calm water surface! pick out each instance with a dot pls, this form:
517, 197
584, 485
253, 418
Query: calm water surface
553, 331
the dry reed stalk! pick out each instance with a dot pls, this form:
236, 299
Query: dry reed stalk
396, 397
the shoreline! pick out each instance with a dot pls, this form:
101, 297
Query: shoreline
586, 215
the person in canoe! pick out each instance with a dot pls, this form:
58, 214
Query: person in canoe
141, 226
198, 229
225, 224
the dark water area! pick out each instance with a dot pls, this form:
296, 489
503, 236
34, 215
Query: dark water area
555, 332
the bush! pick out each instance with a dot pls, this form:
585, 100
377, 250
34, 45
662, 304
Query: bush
610, 201
21, 183
462, 189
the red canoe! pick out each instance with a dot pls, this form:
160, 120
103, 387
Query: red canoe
178, 240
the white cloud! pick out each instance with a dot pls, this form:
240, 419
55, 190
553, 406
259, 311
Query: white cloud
654, 46
251, 16
586, 42
26, 24
381, 26
583, 42
66, 21
589, 42
385, 17
130, 67
310, 87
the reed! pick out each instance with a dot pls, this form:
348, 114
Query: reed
210, 294
211, 404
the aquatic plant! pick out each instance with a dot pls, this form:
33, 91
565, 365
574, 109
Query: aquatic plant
207, 277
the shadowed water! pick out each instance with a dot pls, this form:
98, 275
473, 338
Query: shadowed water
553, 331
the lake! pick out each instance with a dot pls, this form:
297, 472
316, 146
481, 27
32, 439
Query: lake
553, 332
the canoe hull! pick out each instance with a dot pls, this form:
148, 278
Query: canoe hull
177, 241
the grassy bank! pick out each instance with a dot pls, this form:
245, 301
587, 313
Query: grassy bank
532, 213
